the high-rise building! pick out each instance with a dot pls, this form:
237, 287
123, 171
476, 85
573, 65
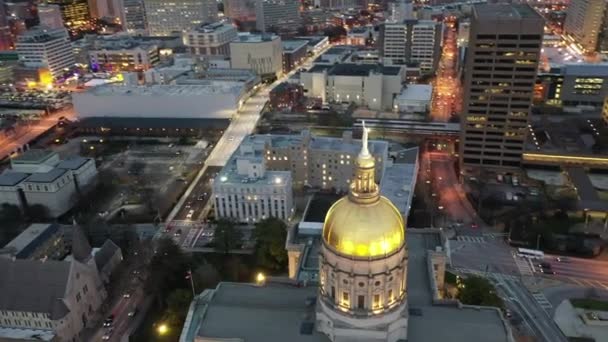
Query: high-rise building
412, 41
50, 16
5, 31
241, 10
167, 17
500, 72
277, 15
135, 16
42, 47
211, 39
112, 10
75, 13
583, 23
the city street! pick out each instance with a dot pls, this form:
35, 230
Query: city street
520, 299
437, 169
582, 272
446, 86
25, 134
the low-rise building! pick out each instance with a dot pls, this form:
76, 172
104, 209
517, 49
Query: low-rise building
260, 53
285, 96
415, 98
245, 191
39, 241
294, 53
39, 177
210, 39
207, 99
374, 86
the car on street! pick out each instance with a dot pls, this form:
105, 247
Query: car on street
126, 295
109, 321
562, 259
108, 334
178, 233
474, 225
190, 214
231, 138
132, 313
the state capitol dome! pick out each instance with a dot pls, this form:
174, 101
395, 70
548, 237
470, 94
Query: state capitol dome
364, 224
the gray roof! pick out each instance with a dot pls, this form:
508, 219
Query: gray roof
105, 253
81, 249
586, 69
351, 69
34, 286
33, 156
46, 177
72, 163
491, 12
12, 178
268, 313
30, 238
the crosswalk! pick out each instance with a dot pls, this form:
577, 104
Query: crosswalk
479, 273
523, 265
542, 301
473, 239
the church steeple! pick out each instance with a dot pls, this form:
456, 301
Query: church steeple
81, 249
363, 187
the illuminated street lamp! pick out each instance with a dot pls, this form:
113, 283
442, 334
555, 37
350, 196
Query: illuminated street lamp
162, 329
260, 279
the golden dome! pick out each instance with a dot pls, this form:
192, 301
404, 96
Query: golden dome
364, 230
364, 224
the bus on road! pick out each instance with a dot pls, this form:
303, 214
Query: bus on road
530, 253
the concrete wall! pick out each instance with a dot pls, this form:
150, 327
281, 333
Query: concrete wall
57, 201
264, 57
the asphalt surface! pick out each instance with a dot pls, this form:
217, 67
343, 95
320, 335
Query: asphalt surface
26, 133
447, 89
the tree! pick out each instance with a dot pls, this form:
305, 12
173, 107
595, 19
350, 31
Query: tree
38, 212
270, 235
478, 291
178, 303
167, 270
206, 277
226, 236
12, 220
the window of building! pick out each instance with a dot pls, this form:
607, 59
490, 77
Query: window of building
376, 301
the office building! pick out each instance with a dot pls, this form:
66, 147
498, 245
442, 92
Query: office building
50, 16
583, 23
277, 15
110, 10
294, 53
38, 177
76, 14
121, 53
500, 72
166, 18
210, 39
412, 41
245, 191
45, 48
135, 16
371, 85
240, 10
6, 73
583, 85
6, 40
262, 53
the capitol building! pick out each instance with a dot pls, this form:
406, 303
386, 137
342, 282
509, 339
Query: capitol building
355, 276
363, 263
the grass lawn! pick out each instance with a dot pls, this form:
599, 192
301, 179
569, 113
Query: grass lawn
590, 304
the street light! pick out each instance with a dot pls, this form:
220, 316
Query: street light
162, 329
260, 279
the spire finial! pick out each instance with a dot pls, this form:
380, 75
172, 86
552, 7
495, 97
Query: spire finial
364, 151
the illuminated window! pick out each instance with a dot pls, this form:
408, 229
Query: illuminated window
345, 299
376, 301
